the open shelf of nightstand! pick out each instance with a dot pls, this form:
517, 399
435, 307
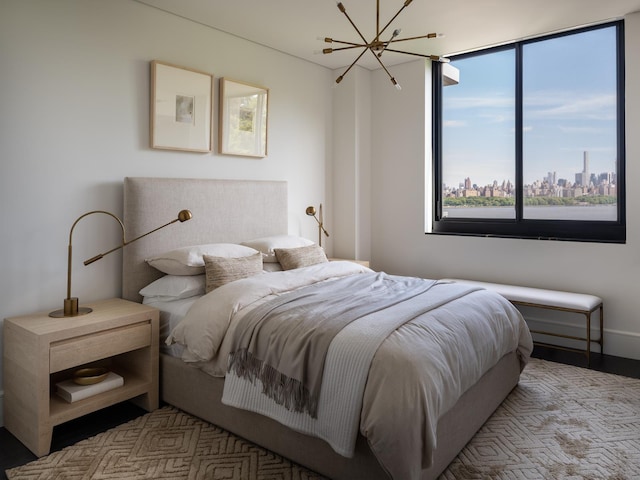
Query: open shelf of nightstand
61, 411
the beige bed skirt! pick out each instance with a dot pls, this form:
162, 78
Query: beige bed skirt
199, 394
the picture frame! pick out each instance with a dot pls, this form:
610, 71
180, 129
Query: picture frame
243, 119
181, 108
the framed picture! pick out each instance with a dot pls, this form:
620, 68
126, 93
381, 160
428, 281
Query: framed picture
243, 119
181, 106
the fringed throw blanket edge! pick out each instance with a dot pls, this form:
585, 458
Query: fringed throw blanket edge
283, 390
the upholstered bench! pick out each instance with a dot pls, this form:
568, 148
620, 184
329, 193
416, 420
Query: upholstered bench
553, 300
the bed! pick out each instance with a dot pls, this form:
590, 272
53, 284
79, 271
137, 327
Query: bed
234, 211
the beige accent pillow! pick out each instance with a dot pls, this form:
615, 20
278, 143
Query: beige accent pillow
221, 270
291, 258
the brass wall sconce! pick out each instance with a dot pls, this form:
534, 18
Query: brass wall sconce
311, 211
70, 306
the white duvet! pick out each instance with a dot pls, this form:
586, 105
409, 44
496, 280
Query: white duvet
416, 375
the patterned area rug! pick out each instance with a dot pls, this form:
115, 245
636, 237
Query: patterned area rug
560, 422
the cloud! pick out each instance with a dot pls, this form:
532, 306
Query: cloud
488, 101
567, 105
580, 130
496, 118
454, 123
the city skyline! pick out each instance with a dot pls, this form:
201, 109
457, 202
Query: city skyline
552, 178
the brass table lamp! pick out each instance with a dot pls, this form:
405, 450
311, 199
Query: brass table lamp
70, 306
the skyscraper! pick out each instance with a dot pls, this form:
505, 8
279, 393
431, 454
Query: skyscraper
585, 169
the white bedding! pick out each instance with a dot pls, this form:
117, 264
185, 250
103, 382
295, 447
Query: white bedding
171, 314
440, 354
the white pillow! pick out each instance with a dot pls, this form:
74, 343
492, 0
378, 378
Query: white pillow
266, 245
188, 260
173, 287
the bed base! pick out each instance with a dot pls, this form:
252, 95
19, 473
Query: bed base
199, 394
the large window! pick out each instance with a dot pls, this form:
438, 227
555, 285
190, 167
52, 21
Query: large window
529, 140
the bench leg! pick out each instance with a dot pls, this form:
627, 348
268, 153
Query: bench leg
588, 339
601, 329
601, 339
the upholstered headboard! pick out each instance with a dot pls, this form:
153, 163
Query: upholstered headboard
229, 211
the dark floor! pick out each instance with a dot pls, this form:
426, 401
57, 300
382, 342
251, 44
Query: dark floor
602, 363
13, 453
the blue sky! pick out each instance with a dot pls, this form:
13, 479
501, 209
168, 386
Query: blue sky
569, 108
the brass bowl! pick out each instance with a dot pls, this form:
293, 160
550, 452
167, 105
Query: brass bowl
89, 376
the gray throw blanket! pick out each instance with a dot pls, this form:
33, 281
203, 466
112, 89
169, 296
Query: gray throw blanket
284, 342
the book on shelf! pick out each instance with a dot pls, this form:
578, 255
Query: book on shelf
72, 392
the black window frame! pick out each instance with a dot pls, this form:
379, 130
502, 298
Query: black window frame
571, 230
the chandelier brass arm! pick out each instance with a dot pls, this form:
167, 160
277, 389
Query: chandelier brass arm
393, 80
435, 58
405, 5
428, 35
339, 79
331, 40
331, 50
344, 10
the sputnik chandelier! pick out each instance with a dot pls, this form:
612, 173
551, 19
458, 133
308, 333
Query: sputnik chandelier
377, 46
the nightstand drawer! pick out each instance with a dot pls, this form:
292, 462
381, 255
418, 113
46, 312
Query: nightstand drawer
80, 350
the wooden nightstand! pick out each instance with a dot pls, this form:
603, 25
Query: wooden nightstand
39, 351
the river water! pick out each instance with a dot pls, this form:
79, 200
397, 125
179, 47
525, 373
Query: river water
587, 212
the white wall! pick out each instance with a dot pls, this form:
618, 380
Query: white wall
74, 80
351, 165
399, 244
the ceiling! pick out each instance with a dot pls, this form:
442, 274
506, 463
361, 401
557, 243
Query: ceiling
293, 26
